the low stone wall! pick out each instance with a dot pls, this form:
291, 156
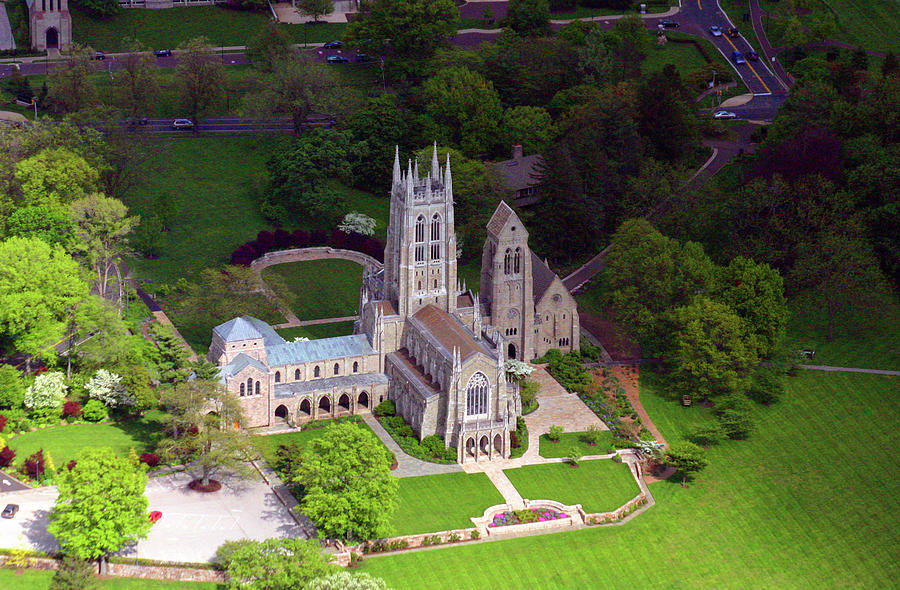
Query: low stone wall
133, 570
593, 518
406, 542
315, 253
575, 514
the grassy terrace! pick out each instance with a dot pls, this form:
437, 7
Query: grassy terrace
810, 500
318, 331
600, 485
569, 440
433, 503
65, 442
319, 288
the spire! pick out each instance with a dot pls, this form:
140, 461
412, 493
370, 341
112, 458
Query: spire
448, 180
396, 164
416, 171
409, 182
435, 166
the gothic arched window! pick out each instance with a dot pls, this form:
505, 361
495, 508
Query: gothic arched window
296, 374
435, 228
507, 262
516, 265
316, 372
420, 229
257, 388
337, 368
242, 390
355, 366
249, 384
477, 393
277, 376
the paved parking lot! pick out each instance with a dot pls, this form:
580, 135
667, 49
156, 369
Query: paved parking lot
192, 527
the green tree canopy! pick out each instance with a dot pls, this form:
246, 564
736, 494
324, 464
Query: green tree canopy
528, 17
12, 389
50, 224
201, 77
467, 105
98, 8
70, 88
270, 46
315, 8
55, 177
532, 127
350, 492
274, 564
687, 458
404, 28
101, 506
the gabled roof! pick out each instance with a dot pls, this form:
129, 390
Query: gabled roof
293, 388
542, 277
318, 350
448, 331
248, 328
519, 173
499, 218
239, 363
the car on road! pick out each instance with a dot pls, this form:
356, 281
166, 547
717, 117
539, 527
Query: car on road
10, 510
333, 45
724, 115
180, 124
738, 57
752, 56
99, 55
163, 53
336, 59
362, 57
715, 31
733, 32
668, 24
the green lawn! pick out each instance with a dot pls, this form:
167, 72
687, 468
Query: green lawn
568, 440
268, 444
169, 27
318, 331
868, 24
40, 580
433, 503
65, 442
318, 288
600, 485
688, 60
811, 500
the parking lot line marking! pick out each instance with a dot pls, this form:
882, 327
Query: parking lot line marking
748, 65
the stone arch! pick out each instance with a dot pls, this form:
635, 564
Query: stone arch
282, 412
277, 376
511, 351
344, 401
478, 392
498, 444
305, 407
256, 388
325, 403
52, 38
337, 368
355, 367
470, 447
363, 399
317, 371
242, 390
484, 445
296, 374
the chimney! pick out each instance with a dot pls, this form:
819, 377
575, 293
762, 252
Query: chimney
517, 151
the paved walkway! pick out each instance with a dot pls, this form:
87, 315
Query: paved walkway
407, 465
295, 322
556, 406
768, 51
509, 492
850, 370
7, 41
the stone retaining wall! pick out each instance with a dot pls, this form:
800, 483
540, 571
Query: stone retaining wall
131, 570
315, 253
618, 514
575, 514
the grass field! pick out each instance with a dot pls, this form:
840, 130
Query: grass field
318, 331
319, 288
433, 503
170, 27
267, 444
600, 485
811, 500
40, 580
568, 440
688, 60
65, 442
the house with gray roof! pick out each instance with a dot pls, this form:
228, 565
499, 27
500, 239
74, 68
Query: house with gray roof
520, 175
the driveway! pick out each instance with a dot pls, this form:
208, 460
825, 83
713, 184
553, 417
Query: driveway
192, 527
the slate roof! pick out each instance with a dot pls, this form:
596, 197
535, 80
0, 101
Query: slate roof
248, 328
402, 361
499, 218
239, 363
448, 331
542, 277
519, 173
465, 300
295, 388
318, 350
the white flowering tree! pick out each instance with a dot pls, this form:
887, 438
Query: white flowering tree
517, 370
359, 223
300, 339
48, 391
107, 387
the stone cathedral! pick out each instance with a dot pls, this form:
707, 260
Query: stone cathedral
435, 348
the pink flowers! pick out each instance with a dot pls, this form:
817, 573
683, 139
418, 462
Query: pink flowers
526, 516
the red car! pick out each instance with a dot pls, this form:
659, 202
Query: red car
155, 515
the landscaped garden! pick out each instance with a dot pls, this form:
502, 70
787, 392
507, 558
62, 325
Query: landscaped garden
577, 441
600, 485
791, 507
433, 503
318, 288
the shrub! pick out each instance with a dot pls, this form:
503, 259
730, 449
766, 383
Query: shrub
450, 454
574, 456
592, 435
555, 433
94, 411
42, 416
706, 436
528, 390
71, 410
434, 444
735, 401
17, 422
766, 387
34, 465
3, 420
71, 464
386, 408
150, 459
6, 456
737, 424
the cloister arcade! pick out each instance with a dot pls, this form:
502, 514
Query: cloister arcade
322, 406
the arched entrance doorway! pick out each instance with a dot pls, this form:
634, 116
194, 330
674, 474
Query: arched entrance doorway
52, 38
305, 407
363, 400
325, 405
511, 351
344, 402
470, 447
281, 412
498, 444
485, 445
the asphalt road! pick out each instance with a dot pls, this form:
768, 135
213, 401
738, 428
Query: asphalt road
222, 125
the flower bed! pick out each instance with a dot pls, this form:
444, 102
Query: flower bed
514, 517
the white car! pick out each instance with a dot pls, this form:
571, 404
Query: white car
715, 31
724, 115
182, 124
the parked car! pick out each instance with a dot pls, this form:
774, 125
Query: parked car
155, 515
163, 53
752, 56
362, 57
724, 115
333, 45
180, 124
99, 55
733, 32
738, 57
668, 24
336, 59
10, 510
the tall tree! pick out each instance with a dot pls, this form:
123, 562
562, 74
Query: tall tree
269, 46
102, 227
39, 285
55, 177
137, 78
101, 506
350, 492
201, 77
528, 17
12, 389
315, 8
70, 89
404, 28
687, 459
532, 127
467, 104
274, 564
666, 114
50, 224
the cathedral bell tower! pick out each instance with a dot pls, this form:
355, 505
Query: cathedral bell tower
420, 254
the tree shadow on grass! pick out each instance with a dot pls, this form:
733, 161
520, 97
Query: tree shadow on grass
146, 431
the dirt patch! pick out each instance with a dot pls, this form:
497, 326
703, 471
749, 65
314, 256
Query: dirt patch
213, 486
663, 475
629, 377
611, 335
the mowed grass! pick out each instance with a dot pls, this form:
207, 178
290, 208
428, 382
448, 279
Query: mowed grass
268, 444
318, 288
570, 440
318, 331
811, 500
433, 503
872, 24
687, 58
209, 182
168, 28
599, 485
11, 579
66, 441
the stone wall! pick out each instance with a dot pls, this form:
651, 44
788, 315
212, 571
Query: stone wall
618, 514
136, 570
316, 253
